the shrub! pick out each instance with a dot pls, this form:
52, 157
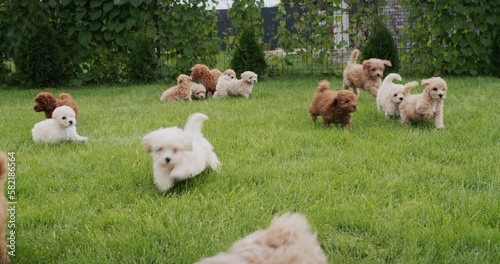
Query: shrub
106, 65
248, 55
142, 66
380, 45
39, 60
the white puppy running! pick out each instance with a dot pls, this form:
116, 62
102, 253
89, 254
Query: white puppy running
390, 95
287, 241
226, 86
60, 128
180, 154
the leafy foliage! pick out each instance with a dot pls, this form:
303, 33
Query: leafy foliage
142, 66
248, 55
183, 34
381, 45
453, 37
39, 60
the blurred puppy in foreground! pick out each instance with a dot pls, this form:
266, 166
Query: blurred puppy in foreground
288, 240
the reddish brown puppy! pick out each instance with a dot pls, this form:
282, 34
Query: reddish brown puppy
47, 103
333, 106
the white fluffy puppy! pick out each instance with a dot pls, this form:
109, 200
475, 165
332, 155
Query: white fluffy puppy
60, 128
390, 95
180, 154
287, 241
226, 86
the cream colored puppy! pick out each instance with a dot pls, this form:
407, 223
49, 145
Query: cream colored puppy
427, 105
179, 154
226, 86
288, 240
60, 128
390, 95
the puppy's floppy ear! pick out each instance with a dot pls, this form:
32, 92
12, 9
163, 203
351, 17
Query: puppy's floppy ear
366, 65
426, 82
147, 142
387, 63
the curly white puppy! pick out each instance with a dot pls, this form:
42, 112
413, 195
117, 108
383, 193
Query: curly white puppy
180, 154
287, 241
60, 128
390, 95
427, 105
226, 86
198, 91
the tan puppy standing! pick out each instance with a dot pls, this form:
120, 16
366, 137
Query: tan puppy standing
333, 106
367, 76
427, 105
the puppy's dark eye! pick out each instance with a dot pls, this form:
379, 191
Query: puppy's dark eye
434, 89
159, 149
395, 95
346, 102
63, 118
174, 150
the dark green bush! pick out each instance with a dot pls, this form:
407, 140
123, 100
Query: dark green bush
248, 55
142, 66
106, 65
381, 45
39, 60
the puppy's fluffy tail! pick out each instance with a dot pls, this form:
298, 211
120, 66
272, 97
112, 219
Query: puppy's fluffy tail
195, 123
64, 96
323, 86
285, 229
354, 57
408, 87
391, 77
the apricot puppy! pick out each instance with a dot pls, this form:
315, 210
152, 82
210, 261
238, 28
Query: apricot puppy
333, 106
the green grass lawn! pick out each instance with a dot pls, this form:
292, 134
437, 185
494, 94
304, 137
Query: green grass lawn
381, 193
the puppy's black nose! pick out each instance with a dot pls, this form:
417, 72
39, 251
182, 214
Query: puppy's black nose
167, 160
71, 122
440, 95
400, 98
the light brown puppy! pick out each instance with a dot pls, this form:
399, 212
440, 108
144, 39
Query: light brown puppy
4, 258
367, 76
288, 240
427, 105
333, 106
47, 103
182, 91
206, 77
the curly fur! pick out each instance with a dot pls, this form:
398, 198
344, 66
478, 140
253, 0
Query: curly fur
333, 106
198, 91
390, 95
366, 76
60, 128
182, 91
4, 258
47, 103
206, 77
427, 105
179, 154
226, 86
288, 240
